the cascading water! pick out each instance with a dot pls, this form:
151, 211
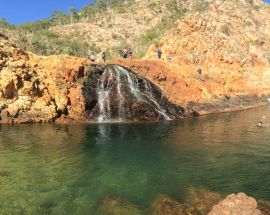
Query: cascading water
103, 92
117, 94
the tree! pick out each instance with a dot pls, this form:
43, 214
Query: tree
5, 25
87, 12
58, 17
74, 16
101, 5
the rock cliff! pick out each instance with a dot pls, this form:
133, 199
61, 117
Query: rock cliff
38, 89
63, 88
230, 42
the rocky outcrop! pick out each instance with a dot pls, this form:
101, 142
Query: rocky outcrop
239, 204
229, 41
219, 91
115, 93
63, 89
36, 89
198, 202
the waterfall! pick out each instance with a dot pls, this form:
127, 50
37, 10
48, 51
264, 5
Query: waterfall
103, 92
122, 95
121, 111
149, 95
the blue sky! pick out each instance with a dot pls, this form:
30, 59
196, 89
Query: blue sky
20, 11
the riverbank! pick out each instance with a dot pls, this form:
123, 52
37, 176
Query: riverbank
38, 89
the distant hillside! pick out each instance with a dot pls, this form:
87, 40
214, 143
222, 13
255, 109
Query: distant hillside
188, 30
227, 33
108, 25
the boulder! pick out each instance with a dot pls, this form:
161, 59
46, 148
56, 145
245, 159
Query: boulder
236, 204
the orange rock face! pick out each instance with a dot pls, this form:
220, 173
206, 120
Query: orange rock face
230, 42
35, 88
218, 91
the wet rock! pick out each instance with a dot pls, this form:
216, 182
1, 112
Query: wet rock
165, 205
264, 207
116, 206
201, 200
236, 204
115, 93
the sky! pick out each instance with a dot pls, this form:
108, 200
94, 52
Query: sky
21, 11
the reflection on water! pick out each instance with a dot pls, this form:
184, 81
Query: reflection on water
71, 169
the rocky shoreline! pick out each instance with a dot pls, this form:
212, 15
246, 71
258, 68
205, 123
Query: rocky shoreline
199, 202
37, 89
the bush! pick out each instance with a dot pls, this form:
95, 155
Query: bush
225, 29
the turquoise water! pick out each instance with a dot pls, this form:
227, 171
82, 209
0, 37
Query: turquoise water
71, 169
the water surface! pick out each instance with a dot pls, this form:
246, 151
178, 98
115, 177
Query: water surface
71, 169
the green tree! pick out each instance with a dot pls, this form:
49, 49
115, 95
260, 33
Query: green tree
59, 18
4, 24
74, 16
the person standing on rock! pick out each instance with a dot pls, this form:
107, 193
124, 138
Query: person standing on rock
124, 53
92, 57
104, 56
130, 54
199, 74
159, 53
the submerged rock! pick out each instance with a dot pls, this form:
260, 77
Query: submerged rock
201, 200
116, 206
166, 205
236, 204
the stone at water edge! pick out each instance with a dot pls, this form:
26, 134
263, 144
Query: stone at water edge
239, 204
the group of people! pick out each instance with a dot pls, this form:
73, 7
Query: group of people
93, 58
126, 54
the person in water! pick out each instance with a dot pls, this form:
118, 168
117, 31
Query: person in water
260, 124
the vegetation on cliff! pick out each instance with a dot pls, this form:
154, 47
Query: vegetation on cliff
106, 25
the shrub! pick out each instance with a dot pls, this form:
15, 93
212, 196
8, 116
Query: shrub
225, 29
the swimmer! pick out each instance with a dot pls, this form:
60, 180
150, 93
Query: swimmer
260, 124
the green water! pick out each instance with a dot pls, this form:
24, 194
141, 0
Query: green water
70, 169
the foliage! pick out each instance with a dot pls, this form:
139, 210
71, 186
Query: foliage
38, 38
47, 43
5, 25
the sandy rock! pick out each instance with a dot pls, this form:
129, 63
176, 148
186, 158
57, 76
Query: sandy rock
239, 204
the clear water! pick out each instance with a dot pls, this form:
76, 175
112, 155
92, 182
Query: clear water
70, 169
